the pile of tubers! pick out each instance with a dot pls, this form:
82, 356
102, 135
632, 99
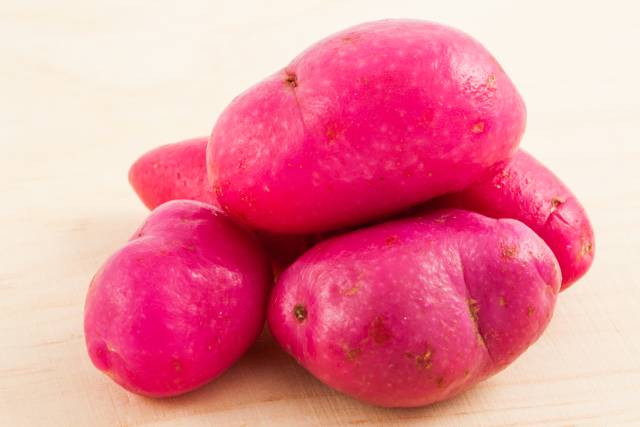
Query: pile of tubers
377, 177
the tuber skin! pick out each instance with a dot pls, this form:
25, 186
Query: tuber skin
179, 303
529, 192
179, 171
414, 311
171, 172
524, 189
364, 124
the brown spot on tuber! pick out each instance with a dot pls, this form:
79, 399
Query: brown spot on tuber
291, 79
491, 81
391, 240
555, 202
352, 354
424, 360
509, 251
440, 382
530, 311
379, 331
504, 175
217, 190
351, 291
586, 248
350, 38
502, 302
480, 340
300, 312
477, 127
474, 308
332, 134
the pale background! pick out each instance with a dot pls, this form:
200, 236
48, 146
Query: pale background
86, 87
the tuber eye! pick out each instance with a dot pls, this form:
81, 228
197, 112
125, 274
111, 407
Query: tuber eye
291, 79
300, 312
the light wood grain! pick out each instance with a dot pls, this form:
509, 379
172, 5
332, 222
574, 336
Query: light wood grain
85, 87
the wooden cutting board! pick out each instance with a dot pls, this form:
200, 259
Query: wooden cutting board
86, 87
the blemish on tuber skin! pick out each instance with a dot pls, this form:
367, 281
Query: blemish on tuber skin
502, 302
530, 311
391, 240
291, 79
379, 331
491, 81
351, 291
509, 251
477, 127
555, 202
424, 360
217, 190
586, 248
300, 312
352, 354
474, 308
331, 134
350, 38
356, 286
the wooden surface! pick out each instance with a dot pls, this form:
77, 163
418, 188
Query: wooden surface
85, 87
